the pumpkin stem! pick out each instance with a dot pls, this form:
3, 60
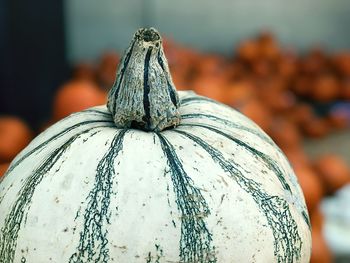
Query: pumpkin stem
144, 95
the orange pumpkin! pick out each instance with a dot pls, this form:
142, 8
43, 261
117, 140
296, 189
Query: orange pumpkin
258, 112
3, 168
106, 70
314, 62
84, 71
76, 96
342, 63
15, 134
317, 219
345, 90
278, 100
238, 92
301, 114
210, 65
285, 134
248, 50
320, 250
333, 171
301, 85
180, 79
297, 156
287, 65
316, 127
262, 68
209, 86
325, 88
268, 46
338, 119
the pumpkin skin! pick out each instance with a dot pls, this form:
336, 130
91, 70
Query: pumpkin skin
215, 188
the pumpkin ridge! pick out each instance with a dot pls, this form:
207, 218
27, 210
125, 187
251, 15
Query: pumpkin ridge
9, 233
56, 136
195, 242
287, 241
271, 164
38, 148
267, 160
228, 123
93, 238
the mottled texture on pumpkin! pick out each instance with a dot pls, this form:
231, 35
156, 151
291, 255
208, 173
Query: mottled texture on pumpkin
111, 184
214, 189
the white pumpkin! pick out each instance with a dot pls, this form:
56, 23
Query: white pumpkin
96, 188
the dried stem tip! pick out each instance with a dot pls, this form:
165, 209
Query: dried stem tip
143, 95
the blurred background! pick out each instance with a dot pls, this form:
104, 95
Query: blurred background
286, 65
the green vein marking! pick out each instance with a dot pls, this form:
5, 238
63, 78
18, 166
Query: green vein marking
13, 221
157, 257
287, 241
306, 218
93, 242
55, 137
261, 135
196, 240
228, 123
269, 162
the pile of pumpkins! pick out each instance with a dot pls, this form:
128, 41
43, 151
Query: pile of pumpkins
274, 86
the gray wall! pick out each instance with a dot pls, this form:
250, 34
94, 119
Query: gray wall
94, 26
